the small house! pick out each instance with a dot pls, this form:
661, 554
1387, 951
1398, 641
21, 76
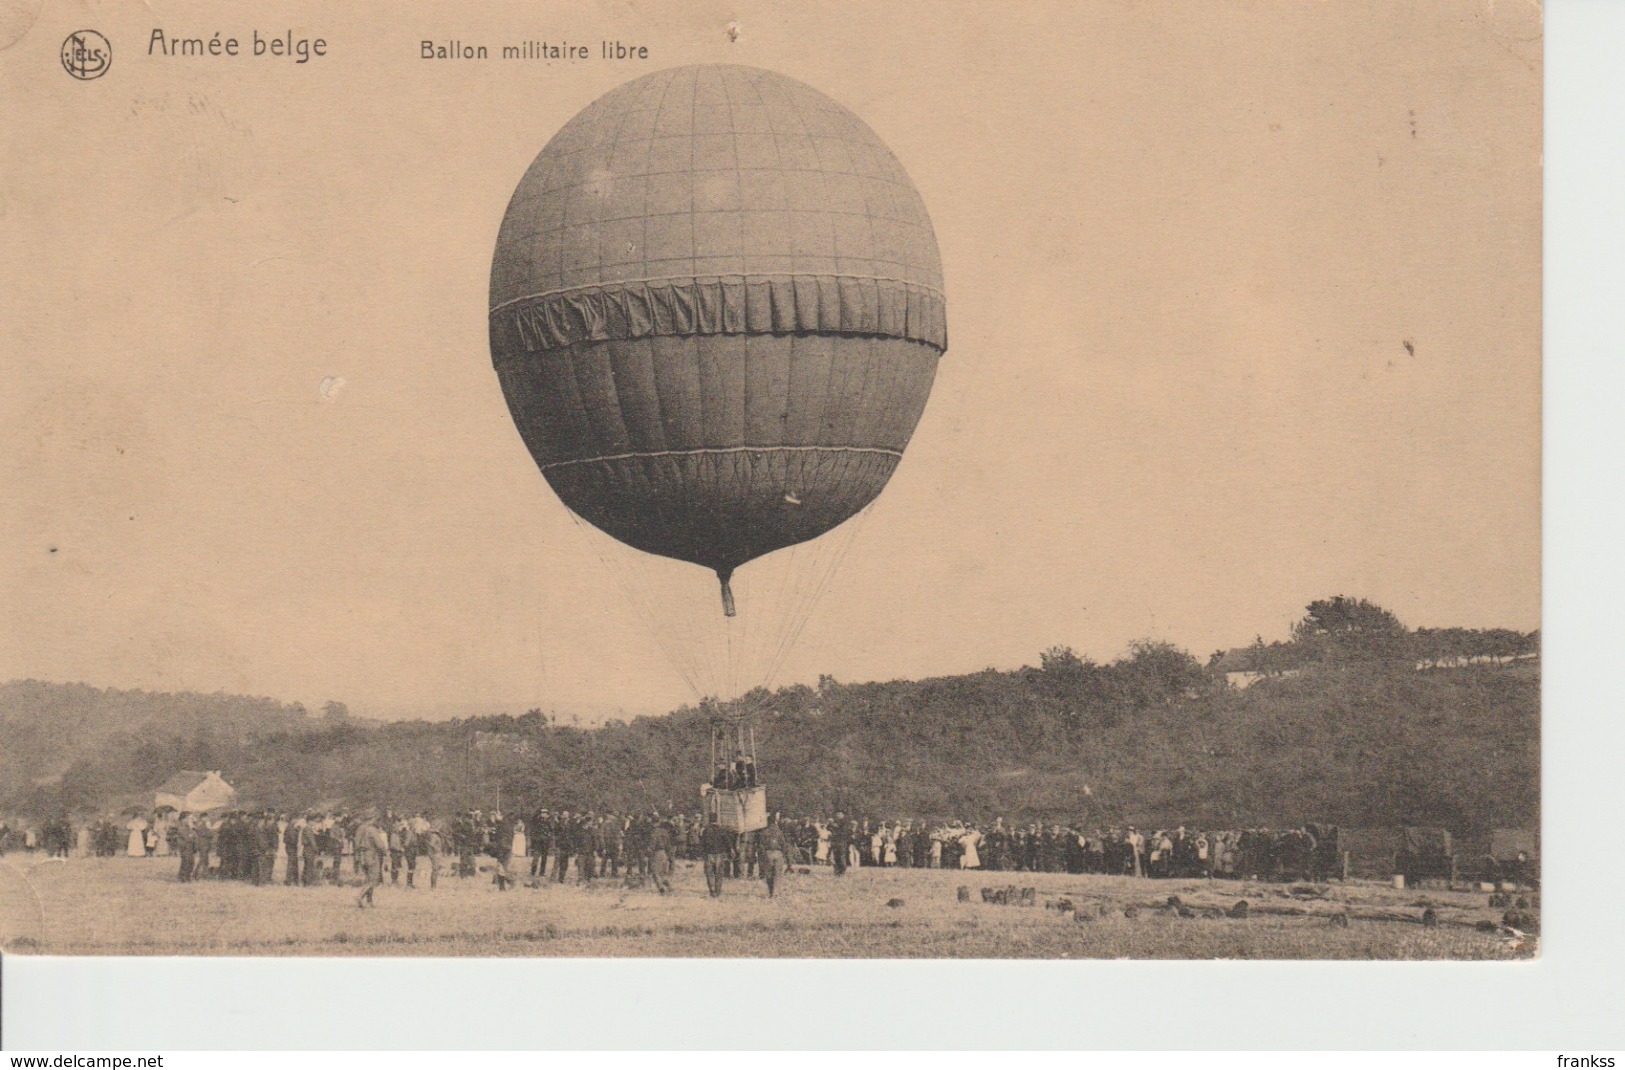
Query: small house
195, 792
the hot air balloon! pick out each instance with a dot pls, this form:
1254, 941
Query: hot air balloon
716, 313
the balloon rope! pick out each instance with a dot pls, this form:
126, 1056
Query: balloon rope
828, 554
772, 637
635, 594
821, 553
859, 522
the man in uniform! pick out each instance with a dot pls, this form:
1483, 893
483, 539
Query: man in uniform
998, 846
635, 845
715, 843
413, 831
540, 828
465, 835
608, 838
290, 847
586, 838
270, 838
324, 851
310, 850
564, 844
396, 831
662, 849
371, 852
772, 852
840, 842
205, 847
187, 834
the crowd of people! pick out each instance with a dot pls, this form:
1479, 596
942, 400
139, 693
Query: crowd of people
312, 848
1307, 852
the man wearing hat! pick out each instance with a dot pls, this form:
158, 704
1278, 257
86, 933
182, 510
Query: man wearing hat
716, 844
371, 852
840, 842
772, 852
564, 844
290, 848
187, 834
269, 833
540, 829
662, 849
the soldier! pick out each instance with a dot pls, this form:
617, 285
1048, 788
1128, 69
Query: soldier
611, 842
922, 844
371, 852
772, 852
690, 842
564, 834
465, 839
744, 771
1071, 850
432, 843
290, 847
715, 843
412, 830
1094, 853
225, 846
662, 849
269, 835
635, 845
205, 847
242, 846
998, 846
310, 851
335, 844
840, 843
540, 827
500, 843
245, 846
187, 835
397, 845
250, 842
586, 841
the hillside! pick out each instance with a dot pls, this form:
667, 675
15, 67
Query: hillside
1355, 734
46, 729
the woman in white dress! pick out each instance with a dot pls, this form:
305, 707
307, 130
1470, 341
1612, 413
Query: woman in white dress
821, 856
136, 847
519, 845
968, 843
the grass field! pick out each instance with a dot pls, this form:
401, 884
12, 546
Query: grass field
135, 906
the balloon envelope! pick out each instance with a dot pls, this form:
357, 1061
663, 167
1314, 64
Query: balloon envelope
716, 313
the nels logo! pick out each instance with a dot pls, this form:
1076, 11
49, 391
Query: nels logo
86, 55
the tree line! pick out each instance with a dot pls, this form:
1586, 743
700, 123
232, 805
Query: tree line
1352, 734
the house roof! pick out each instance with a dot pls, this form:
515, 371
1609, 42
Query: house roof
1237, 659
183, 782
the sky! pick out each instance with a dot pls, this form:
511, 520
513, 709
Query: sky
1243, 305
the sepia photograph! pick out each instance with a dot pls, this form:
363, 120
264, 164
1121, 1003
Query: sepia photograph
794, 481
